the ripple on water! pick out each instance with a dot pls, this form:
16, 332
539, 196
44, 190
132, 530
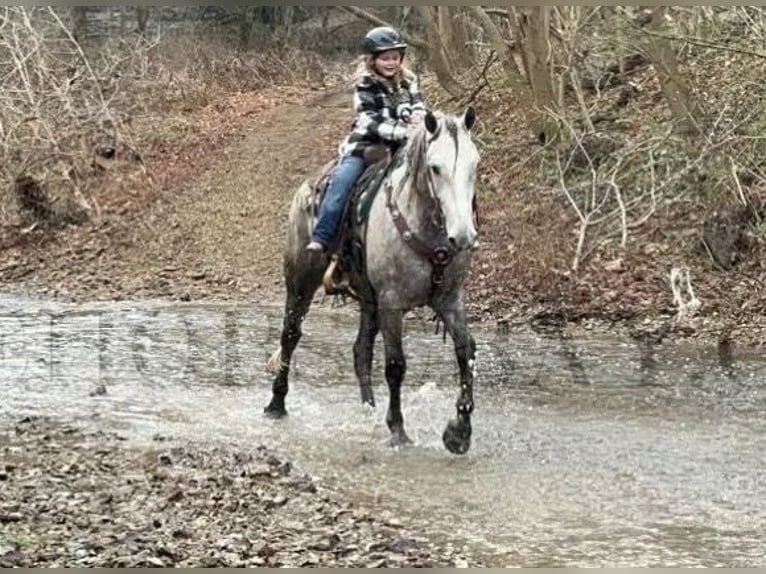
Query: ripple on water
592, 452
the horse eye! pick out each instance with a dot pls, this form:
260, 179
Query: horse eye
435, 169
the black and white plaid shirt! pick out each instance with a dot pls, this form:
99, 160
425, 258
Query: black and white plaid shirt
379, 113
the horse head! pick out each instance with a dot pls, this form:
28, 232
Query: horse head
446, 169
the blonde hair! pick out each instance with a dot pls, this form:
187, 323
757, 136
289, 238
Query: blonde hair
366, 67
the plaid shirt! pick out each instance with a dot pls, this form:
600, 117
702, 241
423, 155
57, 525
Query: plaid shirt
378, 113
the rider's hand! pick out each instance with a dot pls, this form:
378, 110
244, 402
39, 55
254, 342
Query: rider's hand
400, 131
417, 118
404, 112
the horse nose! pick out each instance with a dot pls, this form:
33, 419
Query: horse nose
465, 242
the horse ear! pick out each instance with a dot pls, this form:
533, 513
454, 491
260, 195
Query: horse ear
469, 118
432, 124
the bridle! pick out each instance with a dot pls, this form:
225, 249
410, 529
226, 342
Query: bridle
440, 252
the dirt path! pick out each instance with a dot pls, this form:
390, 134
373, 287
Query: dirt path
218, 237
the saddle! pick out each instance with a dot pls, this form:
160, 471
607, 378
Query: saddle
377, 157
346, 255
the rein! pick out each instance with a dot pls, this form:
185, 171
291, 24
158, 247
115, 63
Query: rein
438, 254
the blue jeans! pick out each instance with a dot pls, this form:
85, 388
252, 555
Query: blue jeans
341, 183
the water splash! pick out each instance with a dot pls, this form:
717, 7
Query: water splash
586, 453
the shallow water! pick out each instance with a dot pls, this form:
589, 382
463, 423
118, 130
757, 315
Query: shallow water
586, 452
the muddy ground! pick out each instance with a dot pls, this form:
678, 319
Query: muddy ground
74, 498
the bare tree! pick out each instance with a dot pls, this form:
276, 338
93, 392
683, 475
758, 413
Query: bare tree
461, 35
246, 23
79, 23
447, 34
532, 30
142, 18
436, 53
365, 15
496, 40
675, 87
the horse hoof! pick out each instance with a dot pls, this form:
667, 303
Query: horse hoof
275, 412
457, 438
400, 439
368, 398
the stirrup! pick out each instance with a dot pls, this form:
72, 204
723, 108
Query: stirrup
335, 284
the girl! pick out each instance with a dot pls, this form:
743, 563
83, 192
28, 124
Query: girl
386, 100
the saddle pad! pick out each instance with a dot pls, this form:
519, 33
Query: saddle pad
368, 187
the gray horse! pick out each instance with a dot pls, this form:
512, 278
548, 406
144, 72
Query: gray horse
416, 247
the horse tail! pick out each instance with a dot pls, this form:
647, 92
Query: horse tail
300, 223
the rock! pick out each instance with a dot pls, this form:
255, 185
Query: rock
176, 496
7, 547
181, 534
99, 391
10, 518
260, 470
613, 266
155, 562
13, 559
403, 545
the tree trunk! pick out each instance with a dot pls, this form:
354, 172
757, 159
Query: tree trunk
123, 21
404, 15
142, 18
436, 54
532, 30
498, 43
287, 19
325, 20
462, 35
447, 34
79, 23
674, 86
246, 23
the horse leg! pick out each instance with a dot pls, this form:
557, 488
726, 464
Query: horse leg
299, 298
396, 367
363, 348
457, 436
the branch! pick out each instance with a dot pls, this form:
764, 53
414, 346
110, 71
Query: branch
621, 204
582, 235
702, 43
496, 12
472, 96
364, 15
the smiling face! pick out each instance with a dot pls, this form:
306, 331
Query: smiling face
389, 63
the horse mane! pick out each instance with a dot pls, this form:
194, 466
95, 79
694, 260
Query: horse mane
414, 153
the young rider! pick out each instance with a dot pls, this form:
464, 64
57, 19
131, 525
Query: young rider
386, 100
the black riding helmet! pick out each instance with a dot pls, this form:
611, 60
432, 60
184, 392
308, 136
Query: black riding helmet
382, 39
